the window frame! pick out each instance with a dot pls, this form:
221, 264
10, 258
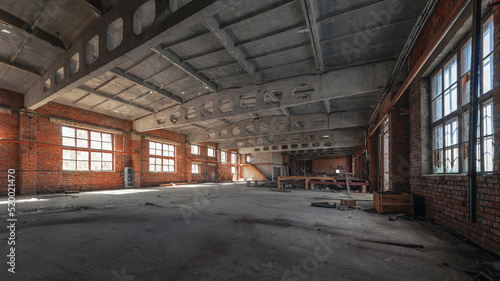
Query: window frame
461, 113
195, 149
91, 153
223, 156
210, 152
165, 161
198, 168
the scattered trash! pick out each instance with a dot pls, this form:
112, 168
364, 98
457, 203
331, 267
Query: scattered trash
406, 245
153, 204
71, 191
324, 205
394, 218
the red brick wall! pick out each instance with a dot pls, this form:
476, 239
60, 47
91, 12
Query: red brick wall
156, 178
203, 159
9, 131
399, 146
330, 165
31, 144
443, 198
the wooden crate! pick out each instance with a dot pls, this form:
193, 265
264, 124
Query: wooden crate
391, 202
350, 203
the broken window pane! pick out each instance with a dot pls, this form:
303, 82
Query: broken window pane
451, 159
437, 161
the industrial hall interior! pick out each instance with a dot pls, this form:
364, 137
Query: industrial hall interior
249, 140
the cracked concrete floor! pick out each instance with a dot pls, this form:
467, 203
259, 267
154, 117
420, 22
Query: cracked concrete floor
225, 231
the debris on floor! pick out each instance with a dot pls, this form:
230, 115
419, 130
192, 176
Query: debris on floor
72, 191
406, 245
153, 204
394, 218
350, 203
324, 205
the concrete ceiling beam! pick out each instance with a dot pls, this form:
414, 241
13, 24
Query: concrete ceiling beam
282, 124
349, 145
229, 43
18, 66
141, 82
118, 42
304, 140
257, 13
350, 82
311, 17
111, 97
174, 59
26, 28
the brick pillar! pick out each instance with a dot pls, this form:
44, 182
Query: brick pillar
136, 158
187, 163
399, 146
28, 153
373, 161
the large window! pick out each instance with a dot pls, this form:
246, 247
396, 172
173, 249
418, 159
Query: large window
86, 150
233, 158
450, 97
223, 157
163, 159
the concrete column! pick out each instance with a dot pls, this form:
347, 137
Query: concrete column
136, 159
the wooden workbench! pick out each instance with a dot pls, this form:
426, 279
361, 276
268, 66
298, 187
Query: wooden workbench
324, 180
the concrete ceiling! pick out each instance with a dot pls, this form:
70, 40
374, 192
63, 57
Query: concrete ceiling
211, 69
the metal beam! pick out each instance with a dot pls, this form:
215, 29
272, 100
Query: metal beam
226, 39
111, 97
130, 46
311, 17
184, 66
25, 27
295, 91
283, 124
146, 84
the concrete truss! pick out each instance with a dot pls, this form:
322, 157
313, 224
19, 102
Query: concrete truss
116, 37
320, 139
282, 124
350, 82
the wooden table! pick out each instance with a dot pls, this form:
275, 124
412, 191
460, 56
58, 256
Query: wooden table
324, 180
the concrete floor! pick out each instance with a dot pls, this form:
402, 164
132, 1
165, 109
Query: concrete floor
224, 232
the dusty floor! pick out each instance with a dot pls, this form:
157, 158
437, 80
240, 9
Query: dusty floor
224, 232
